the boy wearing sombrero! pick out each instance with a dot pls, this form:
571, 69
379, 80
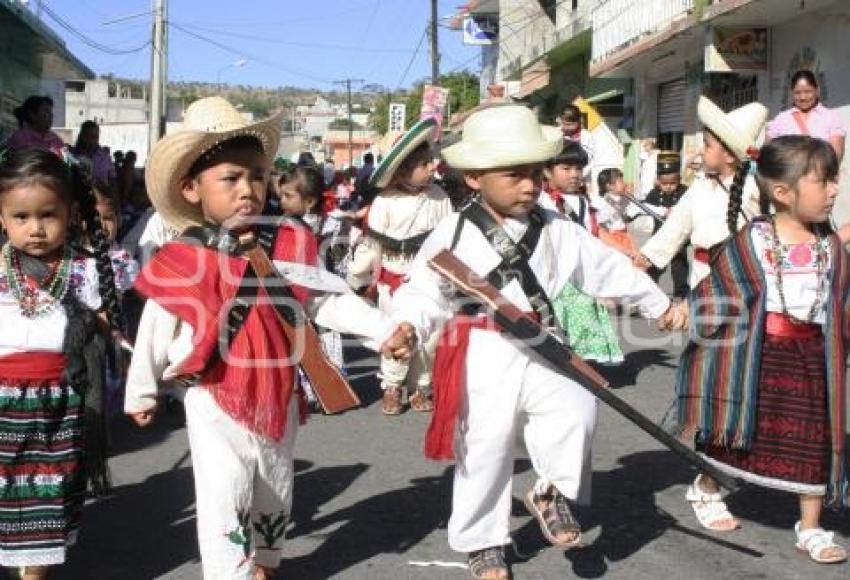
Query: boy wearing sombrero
407, 209
209, 181
485, 386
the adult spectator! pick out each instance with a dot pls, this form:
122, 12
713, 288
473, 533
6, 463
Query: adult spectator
88, 149
35, 117
365, 172
808, 115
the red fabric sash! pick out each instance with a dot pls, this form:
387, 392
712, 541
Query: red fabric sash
32, 366
391, 279
702, 255
777, 324
449, 381
254, 380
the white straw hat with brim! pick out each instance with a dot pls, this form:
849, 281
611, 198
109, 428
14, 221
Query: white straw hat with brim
423, 131
503, 136
207, 123
739, 129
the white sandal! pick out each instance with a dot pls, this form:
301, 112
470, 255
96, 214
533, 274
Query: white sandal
709, 508
815, 542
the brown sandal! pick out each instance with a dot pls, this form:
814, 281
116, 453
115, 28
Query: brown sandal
556, 519
421, 402
391, 402
489, 564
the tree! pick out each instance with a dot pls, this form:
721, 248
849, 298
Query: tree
463, 95
342, 125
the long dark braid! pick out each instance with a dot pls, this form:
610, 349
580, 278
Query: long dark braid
736, 197
84, 194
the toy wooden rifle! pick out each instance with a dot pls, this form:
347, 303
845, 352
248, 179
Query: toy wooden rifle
560, 357
644, 207
332, 390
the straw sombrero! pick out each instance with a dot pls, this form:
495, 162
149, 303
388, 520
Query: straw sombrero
739, 129
423, 131
207, 123
503, 136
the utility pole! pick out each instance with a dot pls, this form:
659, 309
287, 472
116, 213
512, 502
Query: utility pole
435, 49
158, 59
347, 83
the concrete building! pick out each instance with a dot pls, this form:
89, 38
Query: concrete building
32, 57
103, 101
734, 51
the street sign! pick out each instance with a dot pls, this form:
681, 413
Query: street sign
480, 29
398, 111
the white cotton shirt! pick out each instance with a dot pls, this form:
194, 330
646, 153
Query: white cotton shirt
699, 217
566, 253
399, 216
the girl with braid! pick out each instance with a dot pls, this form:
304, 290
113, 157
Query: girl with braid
727, 194
54, 298
761, 384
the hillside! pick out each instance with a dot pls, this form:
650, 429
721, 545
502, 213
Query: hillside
264, 100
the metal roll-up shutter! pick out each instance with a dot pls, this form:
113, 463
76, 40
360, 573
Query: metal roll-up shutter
671, 107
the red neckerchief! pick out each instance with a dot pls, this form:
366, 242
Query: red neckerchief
197, 284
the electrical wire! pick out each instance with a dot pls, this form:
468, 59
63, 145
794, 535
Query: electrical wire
253, 58
311, 46
88, 41
412, 59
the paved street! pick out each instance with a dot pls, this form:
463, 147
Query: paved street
369, 506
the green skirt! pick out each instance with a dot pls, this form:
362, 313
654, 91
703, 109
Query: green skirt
587, 325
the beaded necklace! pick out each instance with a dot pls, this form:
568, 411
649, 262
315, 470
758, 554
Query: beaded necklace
36, 299
778, 255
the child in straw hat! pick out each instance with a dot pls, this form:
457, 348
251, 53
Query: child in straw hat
726, 194
405, 212
485, 386
209, 181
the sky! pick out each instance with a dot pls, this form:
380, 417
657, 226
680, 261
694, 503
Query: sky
299, 43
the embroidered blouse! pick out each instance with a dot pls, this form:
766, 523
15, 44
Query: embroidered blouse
45, 332
800, 281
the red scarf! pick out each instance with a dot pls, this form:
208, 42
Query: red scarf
252, 383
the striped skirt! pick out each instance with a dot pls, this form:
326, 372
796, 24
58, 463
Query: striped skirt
42, 484
791, 446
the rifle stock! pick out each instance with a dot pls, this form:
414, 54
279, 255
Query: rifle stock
333, 391
558, 355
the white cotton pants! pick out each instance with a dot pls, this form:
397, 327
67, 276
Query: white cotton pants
508, 392
243, 489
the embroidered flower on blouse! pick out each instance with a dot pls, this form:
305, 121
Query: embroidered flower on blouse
800, 255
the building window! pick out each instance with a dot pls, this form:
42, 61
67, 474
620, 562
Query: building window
549, 7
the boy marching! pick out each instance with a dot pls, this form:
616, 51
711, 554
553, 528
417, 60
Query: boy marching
199, 328
487, 387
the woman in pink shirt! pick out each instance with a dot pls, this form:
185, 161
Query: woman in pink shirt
89, 150
35, 117
809, 116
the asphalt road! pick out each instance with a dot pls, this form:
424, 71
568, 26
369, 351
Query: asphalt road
369, 506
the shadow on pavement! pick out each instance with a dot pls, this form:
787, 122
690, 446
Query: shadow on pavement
147, 529
392, 522
623, 508
626, 374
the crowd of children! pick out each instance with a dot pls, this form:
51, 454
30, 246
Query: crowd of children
760, 387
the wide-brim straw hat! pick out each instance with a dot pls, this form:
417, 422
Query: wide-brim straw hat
423, 131
739, 129
503, 136
207, 123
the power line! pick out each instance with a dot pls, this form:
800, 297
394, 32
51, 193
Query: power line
249, 56
244, 36
412, 59
88, 41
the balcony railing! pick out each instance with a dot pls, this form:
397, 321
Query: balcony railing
536, 36
620, 23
